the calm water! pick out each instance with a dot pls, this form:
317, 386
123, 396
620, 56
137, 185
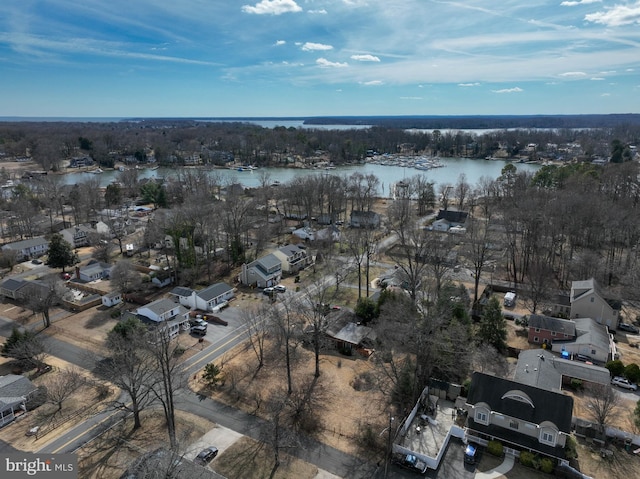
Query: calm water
449, 174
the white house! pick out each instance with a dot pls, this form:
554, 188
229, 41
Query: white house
206, 299
587, 301
111, 299
77, 236
29, 248
93, 271
166, 311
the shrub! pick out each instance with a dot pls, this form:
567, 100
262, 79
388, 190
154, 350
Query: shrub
571, 448
495, 448
546, 465
526, 458
576, 384
632, 372
615, 367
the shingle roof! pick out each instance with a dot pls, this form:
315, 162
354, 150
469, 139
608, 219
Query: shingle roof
549, 323
548, 405
28, 243
12, 284
181, 291
213, 291
14, 385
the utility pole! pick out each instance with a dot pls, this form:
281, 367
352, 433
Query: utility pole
389, 438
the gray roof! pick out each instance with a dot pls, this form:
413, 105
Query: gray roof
13, 385
267, 262
181, 291
549, 323
591, 332
12, 284
161, 306
291, 249
213, 291
24, 244
543, 369
343, 329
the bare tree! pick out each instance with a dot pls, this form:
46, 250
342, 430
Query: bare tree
44, 296
62, 385
602, 404
125, 276
257, 324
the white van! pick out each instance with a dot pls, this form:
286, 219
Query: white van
510, 299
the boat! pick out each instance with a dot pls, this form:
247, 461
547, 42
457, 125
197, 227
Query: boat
97, 171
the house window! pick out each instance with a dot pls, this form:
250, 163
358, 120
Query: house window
513, 424
553, 333
482, 418
537, 330
592, 299
548, 438
535, 339
593, 351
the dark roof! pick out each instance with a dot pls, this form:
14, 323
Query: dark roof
213, 291
165, 464
13, 284
549, 323
547, 406
452, 216
13, 385
342, 328
181, 291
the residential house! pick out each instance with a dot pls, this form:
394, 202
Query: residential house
447, 219
165, 313
77, 236
364, 219
293, 258
519, 415
93, 271
346, 333
263, 272
10, 288
546, 329
15, 392
543, 369
29, 248
80, 162
168, 463
587, 301
206, 299
305, 233
592, 339
111, 299
330, 234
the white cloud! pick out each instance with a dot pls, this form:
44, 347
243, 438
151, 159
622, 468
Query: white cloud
272, 7
597, 79
365, 58
280, 42
617, 15
318, 12
573, 74
468, 84
579, 2
311, 47
323, 62
411, 98
606, 94
509, 90
372, 83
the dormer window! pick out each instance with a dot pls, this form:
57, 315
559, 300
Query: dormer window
482, 417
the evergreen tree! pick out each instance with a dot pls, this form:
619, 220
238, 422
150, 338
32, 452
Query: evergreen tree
61, 253
212, 374
493, 327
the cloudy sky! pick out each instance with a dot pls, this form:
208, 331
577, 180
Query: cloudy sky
239, 58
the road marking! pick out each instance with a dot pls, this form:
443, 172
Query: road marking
9, 309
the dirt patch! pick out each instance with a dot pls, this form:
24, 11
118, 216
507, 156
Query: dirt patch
345, 412
249, 459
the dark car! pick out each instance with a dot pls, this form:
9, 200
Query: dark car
629, 328
470, 453
205, 456
36, 261
198, 330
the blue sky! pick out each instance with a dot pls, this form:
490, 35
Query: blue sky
239, 58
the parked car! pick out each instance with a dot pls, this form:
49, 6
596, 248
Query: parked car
629, 328
36, 261
280, 288
624, 383
205, 456
268, 290
584, 358
470, 453
198, 322
65, 276
198, 330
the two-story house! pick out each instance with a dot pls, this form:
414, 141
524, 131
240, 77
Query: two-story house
206, 299
546, 329
77, 236
591, 340
587, 301
448, 219
293, 258
165, 313
29, 248
263, 272
521, 416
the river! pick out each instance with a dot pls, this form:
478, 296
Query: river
448, 174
